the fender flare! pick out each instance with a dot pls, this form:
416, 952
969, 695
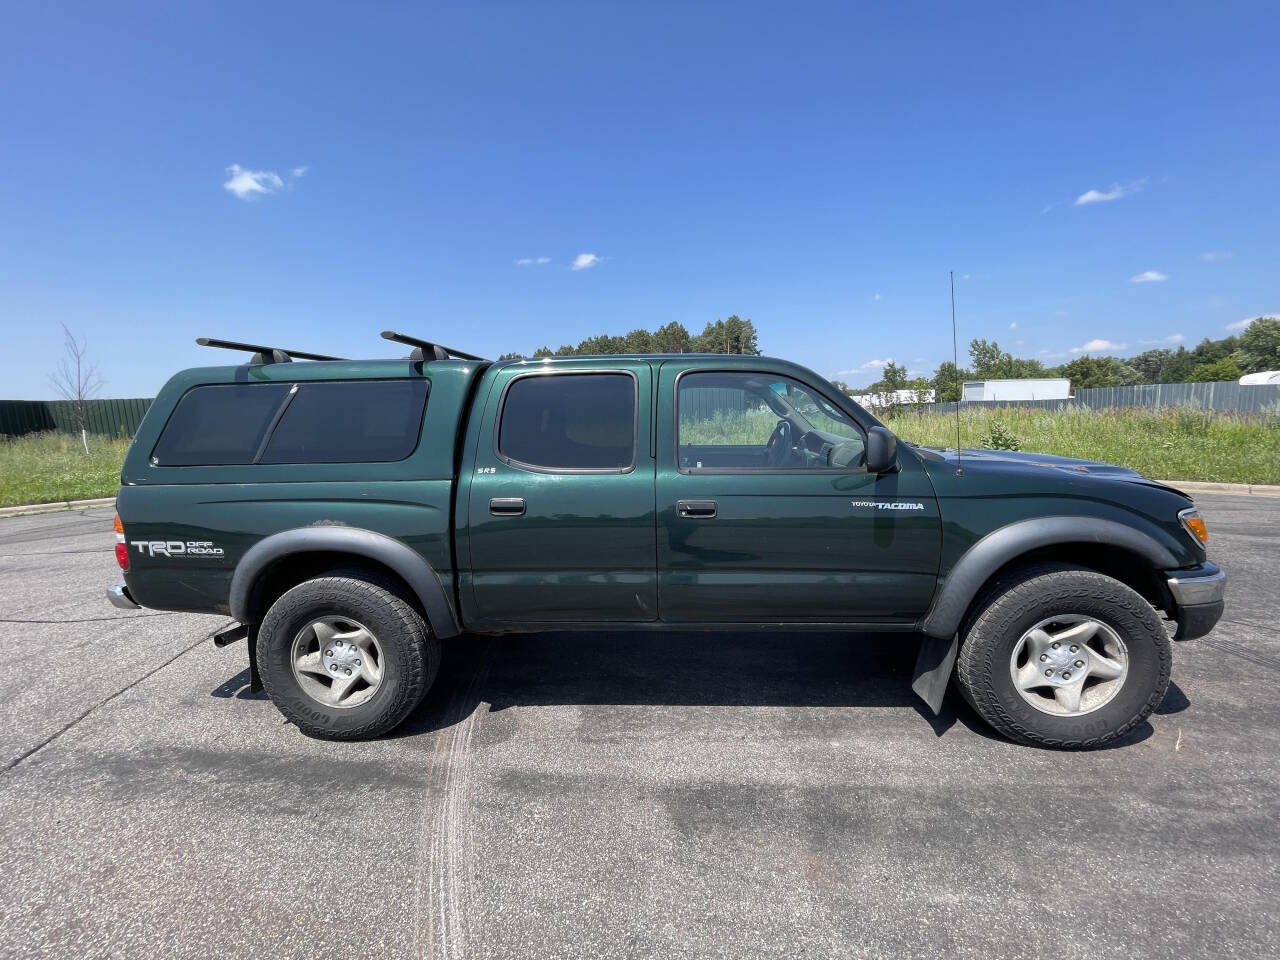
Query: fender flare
1000, 546
410, 565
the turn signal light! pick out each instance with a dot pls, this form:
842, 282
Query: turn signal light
122, 549
1194, 523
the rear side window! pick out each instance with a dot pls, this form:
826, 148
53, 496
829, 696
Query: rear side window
580, 421
367, 421
219, 424
364, 421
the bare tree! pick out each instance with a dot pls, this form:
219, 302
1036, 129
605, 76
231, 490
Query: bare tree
76, 380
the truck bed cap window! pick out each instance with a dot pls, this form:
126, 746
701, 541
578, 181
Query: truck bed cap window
354, 421
368, 421
222, 424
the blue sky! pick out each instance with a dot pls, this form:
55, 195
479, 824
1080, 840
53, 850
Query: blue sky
818, 168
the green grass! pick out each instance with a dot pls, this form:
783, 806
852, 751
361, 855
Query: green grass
729, 427
1173, 443
47, 467
1170, 443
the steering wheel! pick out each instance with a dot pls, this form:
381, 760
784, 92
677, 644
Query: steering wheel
778, 449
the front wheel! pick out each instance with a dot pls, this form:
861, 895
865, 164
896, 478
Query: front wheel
1060, 656
345, 657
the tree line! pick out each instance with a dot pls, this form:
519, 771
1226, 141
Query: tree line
731, 335
1256, 349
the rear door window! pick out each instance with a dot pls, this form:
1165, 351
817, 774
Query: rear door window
578, 421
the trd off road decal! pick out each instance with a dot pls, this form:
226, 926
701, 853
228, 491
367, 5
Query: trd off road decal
177, 548
887, 504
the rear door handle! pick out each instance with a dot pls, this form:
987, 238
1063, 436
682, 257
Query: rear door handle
507, 506
700, 509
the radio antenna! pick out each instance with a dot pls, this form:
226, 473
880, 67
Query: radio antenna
955, 361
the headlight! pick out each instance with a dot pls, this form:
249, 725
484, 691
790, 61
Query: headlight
1193, 523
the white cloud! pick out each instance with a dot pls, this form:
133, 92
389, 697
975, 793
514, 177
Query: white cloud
1171, 338
1117, 191
1099, 346
1149, 276
1018, 343
1216, 256
585, 261
1014, 325
869, 365
247, 184
531, 261
876, 298
298, 172
1242, 324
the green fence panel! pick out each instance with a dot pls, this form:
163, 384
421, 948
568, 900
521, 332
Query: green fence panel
113, 417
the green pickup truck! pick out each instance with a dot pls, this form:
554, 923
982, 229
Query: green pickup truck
351, 516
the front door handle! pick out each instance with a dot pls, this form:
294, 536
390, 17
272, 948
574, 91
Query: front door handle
507, 506
698, 509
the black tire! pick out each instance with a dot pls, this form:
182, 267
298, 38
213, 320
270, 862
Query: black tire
1016, 602
411, 654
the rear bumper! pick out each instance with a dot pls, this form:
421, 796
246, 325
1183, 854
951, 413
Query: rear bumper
119, 596
1198, 594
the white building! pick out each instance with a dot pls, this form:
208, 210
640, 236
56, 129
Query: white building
1046, 388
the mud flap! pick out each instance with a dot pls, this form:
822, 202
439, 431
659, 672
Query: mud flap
933, 669
255, 678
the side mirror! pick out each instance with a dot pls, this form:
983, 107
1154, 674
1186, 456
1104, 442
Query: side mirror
882, 450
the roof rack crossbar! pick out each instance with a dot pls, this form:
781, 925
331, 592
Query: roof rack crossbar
426, 350
263, 354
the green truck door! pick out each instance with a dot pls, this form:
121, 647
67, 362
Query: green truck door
765, 513
561, 511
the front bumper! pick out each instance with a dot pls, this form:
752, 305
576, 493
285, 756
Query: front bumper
118, 594
1198, 594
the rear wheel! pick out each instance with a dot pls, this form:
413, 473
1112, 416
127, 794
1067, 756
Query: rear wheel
1059, 656
345, 657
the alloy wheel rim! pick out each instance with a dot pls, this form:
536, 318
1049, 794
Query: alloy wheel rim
337, 662
1069, 665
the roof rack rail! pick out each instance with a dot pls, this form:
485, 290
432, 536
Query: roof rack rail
263, 354
426, 350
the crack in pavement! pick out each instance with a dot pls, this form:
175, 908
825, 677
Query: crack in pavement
103, 702
140, 616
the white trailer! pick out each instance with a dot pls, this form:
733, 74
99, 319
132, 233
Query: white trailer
1044, 388
1262, 378
891, 397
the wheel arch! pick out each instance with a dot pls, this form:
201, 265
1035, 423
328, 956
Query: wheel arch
288, 557
1115, 549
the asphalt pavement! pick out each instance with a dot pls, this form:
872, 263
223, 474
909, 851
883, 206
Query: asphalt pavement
617, 795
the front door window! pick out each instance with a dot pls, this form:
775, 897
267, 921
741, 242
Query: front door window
760, 422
